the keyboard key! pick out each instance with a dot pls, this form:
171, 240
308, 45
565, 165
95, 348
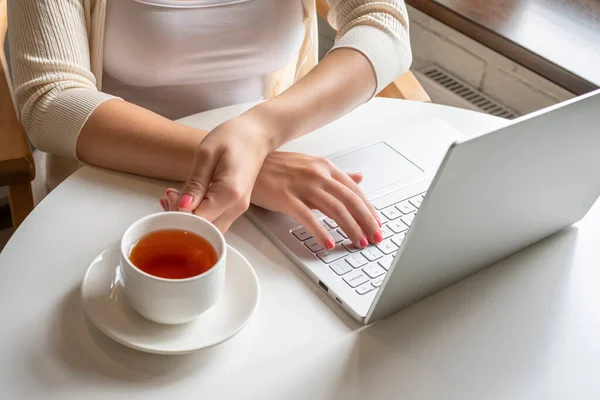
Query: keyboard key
373, 270
340, 267
398, 239
377, 282
391, 213
332, 224
341, 232
350, 246
397, 226
356, 260
301, 233
355, 278
335, 235
313, 245
416, 201
386, 262
387, 247
366, 288
386, 232
382, 217
408, 219
405, 207
324, 225
329, 256
372, 253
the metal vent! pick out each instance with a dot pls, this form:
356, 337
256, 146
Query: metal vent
473, 96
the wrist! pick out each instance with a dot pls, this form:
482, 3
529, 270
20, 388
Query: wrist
276, 128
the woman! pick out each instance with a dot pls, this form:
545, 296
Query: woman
100, 81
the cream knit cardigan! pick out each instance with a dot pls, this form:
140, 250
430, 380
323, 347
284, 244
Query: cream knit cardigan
56, 49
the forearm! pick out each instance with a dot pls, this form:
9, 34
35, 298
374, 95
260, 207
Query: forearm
343, 80
124, 137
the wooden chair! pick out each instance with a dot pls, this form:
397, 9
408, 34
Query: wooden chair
17, 168
406, 87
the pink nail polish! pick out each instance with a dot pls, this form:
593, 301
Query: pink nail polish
364, 242
330, 244
163, 205
378, 237
185, 201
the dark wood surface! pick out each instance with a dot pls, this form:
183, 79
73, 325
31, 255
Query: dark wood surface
558, 39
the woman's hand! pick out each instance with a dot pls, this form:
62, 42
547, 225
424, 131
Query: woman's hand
293, 184
225, 167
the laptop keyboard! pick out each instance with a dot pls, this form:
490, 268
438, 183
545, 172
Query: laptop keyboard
364, 269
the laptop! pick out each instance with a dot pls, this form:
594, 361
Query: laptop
492, 195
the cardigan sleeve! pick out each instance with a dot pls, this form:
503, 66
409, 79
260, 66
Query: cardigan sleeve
379, 30
54, 88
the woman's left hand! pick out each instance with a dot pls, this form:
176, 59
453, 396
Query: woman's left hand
225, 167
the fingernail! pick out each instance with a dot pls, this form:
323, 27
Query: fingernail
330, 244
185, 201
379, 222
169, 191
364, 242
163, 204
378, 237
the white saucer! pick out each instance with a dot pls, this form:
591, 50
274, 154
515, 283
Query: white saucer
104, 304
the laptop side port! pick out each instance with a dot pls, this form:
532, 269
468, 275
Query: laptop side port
324, 286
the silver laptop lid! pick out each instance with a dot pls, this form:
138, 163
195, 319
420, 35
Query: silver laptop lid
496, 194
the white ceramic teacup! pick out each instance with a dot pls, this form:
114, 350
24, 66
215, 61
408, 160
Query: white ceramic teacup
172, 301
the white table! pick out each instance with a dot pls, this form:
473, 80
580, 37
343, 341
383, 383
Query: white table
528, 328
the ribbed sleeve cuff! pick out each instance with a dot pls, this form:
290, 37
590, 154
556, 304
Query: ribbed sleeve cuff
60, 123
388, 60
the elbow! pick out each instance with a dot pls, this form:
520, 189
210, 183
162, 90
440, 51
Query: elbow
27, 116
54, 119
404, 54
406, 59
44, 128
45, 137
37, 140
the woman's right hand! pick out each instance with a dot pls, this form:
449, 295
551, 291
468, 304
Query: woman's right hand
294, 184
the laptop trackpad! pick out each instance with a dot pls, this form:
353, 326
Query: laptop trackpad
380, 164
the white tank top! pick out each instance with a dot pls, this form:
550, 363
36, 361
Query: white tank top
181, 57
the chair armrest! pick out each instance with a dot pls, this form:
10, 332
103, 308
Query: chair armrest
406, 87
16, 161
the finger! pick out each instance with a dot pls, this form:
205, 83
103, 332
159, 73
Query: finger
224, 222
357, 177
336, 210
358, 209
198, 184
349, 182
172, 197
164, 203
221, 198
302, 214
